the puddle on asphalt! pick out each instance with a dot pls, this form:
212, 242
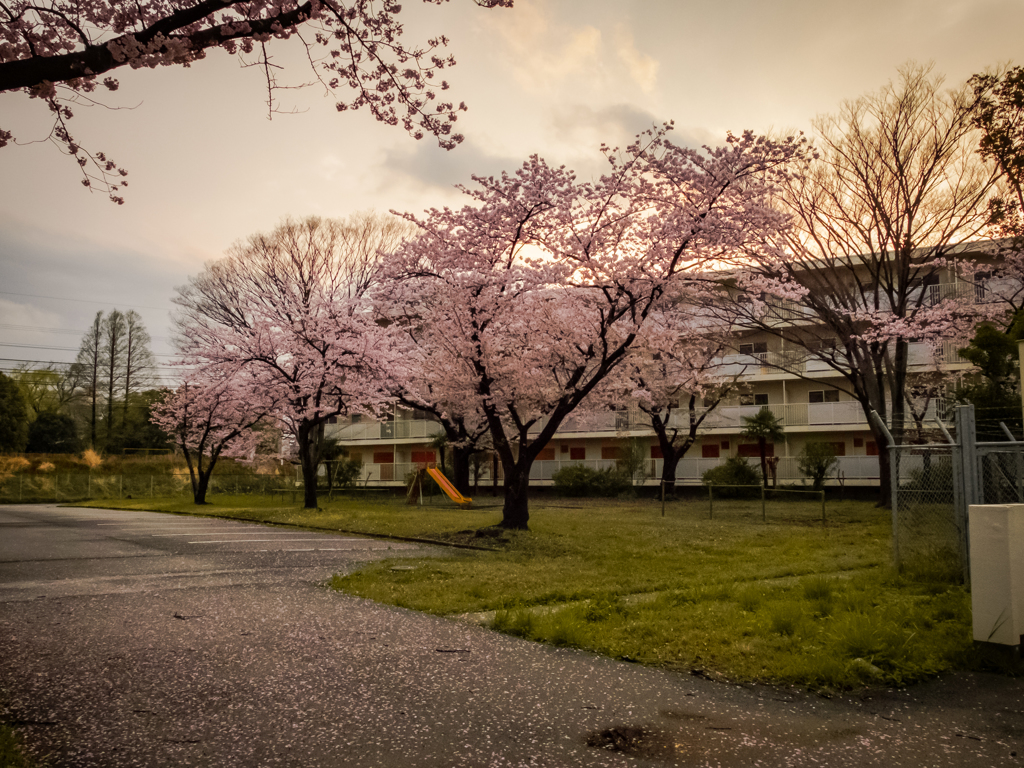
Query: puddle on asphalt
636, 741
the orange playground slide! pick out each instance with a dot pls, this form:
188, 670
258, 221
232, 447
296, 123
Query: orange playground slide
447, 487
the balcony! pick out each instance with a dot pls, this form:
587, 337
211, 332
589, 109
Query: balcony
971, 293
400, 429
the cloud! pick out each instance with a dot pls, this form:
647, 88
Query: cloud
641, 67
436, 168
20, 313
541, 52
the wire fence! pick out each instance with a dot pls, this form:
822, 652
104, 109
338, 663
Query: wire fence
927, 530
933, 487
79, 486
753, 501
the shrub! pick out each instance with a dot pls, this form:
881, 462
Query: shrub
580, 480
816, 462
347, 472
735, 471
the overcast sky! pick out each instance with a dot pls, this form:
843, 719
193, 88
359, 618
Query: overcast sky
553, 77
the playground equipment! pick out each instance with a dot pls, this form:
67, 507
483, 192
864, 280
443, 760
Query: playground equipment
443, 483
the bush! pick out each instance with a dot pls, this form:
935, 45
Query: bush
816, 462
347, 472
53, 433
735, 471
580, 480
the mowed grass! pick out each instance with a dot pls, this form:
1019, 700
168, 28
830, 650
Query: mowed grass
790, 601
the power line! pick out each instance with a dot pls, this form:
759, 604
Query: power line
76, 332
81, 301
62, 349
64, 362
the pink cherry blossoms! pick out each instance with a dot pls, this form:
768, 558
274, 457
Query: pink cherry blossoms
57, 50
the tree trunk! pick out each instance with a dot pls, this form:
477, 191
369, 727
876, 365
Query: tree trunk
199, 475
670, 456
460, 469
668, 472
516, 512
200, 486
309, 442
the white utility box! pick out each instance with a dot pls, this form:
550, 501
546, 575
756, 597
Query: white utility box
997, 572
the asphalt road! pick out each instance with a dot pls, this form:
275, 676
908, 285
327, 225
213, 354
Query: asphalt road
137, 639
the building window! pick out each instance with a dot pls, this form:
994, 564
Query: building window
751, 451
755, 399
356, 418
871, 448
858, 442
546, 454
709, 451
383, 457
656, 452
754, 348
423, 457
725, 445
578, 454
610, 452
332, 419
823, 396
565, 448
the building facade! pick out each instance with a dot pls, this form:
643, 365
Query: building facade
807, 396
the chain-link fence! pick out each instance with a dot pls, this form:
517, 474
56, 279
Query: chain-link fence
927, 531
935, 485
1001, 473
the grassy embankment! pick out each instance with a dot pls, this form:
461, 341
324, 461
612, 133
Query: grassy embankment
791, 601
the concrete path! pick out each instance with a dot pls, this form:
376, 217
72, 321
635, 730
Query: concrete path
134, 639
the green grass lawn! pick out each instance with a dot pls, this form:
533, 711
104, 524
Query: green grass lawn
791, 601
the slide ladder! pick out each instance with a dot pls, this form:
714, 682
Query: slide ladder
447, 487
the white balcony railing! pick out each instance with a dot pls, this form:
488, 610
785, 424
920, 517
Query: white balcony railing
400, 429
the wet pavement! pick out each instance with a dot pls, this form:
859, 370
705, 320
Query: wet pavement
136, 639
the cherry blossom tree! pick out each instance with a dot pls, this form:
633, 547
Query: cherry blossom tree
289, 306
537, 292
879, 216
418, 378
59, 52
674, 375
213, 413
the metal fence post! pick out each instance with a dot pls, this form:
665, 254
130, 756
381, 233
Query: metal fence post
894, 485
971, 492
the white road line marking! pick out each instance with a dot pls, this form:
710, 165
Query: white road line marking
159, 525
220, 533
249, 541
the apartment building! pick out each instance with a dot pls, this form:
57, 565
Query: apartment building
810, 400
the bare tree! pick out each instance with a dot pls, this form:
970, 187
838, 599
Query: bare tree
113, 343
895, 188
86, 369
288, 306
137, 372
